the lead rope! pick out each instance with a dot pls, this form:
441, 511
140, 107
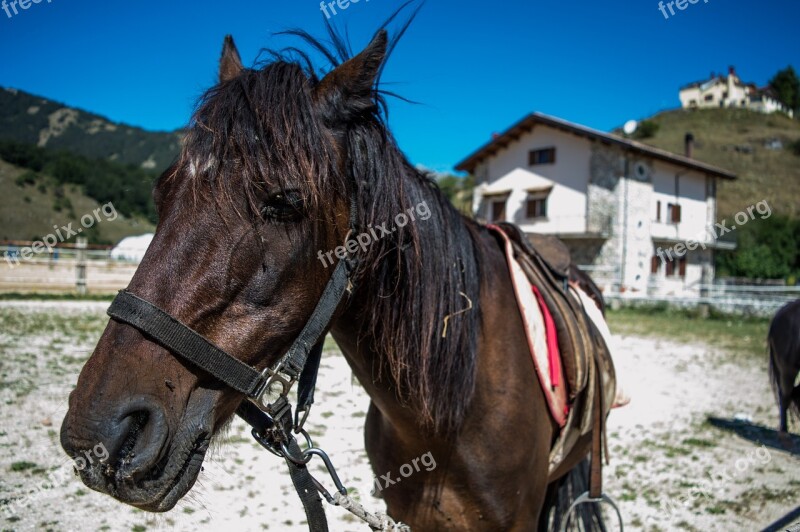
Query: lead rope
376, 521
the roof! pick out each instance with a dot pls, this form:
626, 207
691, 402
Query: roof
713, 80
527, 124
705, 84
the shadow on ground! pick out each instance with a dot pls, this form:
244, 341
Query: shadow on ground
784, 523
760, 434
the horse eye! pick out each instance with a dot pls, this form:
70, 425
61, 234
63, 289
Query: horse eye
282, 207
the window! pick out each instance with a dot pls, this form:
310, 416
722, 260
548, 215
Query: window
711, 187
677, 267
543, 156
709, 98
497, 210
536, 207
658, 210
655, 264
673, 213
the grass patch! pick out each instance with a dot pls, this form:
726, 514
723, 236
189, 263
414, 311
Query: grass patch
23, 466
698, 442
740, 336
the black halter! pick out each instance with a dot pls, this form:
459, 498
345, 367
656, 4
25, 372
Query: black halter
268, 410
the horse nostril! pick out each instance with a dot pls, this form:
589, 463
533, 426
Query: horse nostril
136, 423
138, 441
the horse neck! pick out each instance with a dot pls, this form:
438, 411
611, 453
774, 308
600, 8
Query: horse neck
359, 349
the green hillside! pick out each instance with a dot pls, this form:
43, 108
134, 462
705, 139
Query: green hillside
35, 120
30, 210
58, 163
763, 150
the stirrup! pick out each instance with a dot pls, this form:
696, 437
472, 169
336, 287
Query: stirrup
586, 498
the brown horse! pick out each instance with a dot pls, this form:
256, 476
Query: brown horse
784, 360
250, 219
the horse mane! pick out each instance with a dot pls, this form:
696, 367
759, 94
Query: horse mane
261, 128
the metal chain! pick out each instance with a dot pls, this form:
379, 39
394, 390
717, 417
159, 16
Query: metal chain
377, 521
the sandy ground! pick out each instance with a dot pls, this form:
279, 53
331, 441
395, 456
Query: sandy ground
671, 469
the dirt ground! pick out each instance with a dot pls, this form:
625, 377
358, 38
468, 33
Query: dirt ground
688, 453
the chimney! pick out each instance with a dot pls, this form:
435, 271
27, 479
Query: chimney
689, 144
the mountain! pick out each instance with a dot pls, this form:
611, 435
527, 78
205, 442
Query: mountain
763, 151
34, 203
36, 120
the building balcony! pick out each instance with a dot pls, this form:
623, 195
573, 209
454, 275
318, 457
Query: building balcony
569, 226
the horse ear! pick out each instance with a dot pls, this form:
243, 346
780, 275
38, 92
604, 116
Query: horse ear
230, 64
348, 88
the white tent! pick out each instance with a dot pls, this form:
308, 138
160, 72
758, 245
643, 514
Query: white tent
132, 248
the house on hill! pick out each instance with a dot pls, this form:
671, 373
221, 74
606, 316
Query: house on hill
626, 210
730, 91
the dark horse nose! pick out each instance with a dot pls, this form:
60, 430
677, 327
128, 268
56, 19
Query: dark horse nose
134, 437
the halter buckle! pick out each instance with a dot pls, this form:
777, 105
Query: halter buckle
277, 383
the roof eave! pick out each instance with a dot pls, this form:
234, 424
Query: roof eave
529, 121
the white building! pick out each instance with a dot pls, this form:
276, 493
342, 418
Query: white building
730, 91
615, 202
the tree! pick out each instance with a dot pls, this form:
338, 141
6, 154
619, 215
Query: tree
458, 190
787, 85
766, 249
646, 129
450, 185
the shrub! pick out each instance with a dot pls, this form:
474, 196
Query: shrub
794, 147
646, 129
26, 178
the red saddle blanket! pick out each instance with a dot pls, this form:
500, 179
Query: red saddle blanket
540, 331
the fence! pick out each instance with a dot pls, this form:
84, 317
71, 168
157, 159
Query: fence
751, 300
98, 274
71, 275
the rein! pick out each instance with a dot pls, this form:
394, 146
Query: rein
267, 408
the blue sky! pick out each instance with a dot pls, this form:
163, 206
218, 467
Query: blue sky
476, 67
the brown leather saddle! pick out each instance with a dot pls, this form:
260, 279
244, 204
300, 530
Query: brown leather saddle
546, 261
588, 369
